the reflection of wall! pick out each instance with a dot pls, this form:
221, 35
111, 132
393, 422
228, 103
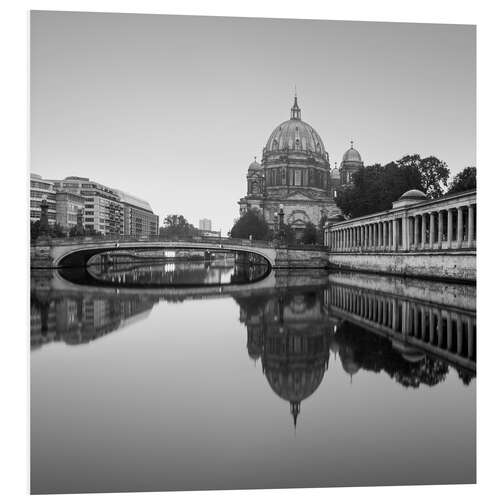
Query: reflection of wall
292, 332
80, 319
443, 330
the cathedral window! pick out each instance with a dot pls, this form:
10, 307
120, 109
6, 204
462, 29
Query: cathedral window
297, 178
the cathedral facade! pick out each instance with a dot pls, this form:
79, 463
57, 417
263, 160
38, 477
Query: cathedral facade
295, 175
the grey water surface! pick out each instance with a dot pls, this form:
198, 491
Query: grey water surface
244, 378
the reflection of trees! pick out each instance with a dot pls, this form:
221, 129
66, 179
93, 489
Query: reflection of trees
359, 348
291, 333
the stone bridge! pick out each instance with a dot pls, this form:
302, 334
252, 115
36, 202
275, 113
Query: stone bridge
75, 252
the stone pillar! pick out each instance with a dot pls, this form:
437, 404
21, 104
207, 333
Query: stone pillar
404, 228
470, 226
450, 227
384, 235
460, 227
440, 229
431, 230
415, 231
394, 234
424, 230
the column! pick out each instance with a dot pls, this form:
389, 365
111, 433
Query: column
440, 228
424, 230
460, 227
404, 228
394, 234
470, 226
415, 232
450, 227
431, 230
384, 234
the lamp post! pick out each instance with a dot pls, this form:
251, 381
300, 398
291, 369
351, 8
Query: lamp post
281, 215
44, 217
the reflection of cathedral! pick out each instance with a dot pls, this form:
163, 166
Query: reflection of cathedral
293, 332
295, 174
291, 337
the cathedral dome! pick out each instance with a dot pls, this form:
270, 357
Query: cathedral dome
295, 383
295, 135
352, 155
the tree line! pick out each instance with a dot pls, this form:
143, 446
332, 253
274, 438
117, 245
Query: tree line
375, 187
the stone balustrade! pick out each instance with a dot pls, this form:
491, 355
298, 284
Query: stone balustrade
448, 223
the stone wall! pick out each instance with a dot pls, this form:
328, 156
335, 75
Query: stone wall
300, 259
452, 265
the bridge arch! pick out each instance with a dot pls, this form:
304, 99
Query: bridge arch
78, 254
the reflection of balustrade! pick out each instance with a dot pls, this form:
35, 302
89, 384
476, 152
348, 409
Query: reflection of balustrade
445, 331
444, 224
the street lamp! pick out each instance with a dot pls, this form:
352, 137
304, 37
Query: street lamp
281, 215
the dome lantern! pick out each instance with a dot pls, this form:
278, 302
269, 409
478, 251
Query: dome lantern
295, 110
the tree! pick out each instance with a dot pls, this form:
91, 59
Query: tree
79, 230
53, 231
375, 187
251, 223
310, 235
177, 226
434, 176
463, 181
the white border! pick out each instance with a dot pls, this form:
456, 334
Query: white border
14, 301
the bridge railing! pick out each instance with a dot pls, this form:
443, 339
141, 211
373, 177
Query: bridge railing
153, 239
71, 240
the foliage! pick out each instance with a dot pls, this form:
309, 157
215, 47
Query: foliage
311, 234
79, 230
54, 230
375, 187
251, 223
463, 181
434, 176
177, 226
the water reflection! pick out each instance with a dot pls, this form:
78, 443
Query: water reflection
168, 273
293, 321
173, 387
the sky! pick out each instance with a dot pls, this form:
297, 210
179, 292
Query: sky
173, 109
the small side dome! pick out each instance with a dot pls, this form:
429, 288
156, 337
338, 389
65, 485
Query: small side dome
335, 173
255, 165
352, 155
413, 194
409, 198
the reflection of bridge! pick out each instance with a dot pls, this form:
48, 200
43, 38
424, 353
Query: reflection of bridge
73, 252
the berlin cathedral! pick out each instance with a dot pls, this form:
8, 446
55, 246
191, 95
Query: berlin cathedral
295, 175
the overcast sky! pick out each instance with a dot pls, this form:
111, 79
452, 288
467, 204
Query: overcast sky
174, 108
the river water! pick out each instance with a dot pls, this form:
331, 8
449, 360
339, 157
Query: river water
243, 378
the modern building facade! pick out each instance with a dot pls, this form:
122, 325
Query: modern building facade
69, 207
41, 189
138, 216
295, 175
205, 225
103, 210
